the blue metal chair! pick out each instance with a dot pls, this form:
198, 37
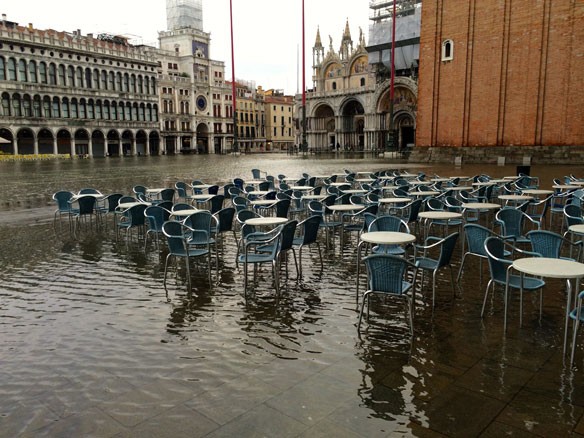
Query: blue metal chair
202, 222
500, 269
216, 203
446, 247
240, 203
388, 275
355, 222
281, 207
288, 230
309, 236
155, 216
86, 209
109, 205
250, 255
512, 222
475, 236
224, 218
549, 244
176, 236
64, 207
577, 315
182, 190
132, 218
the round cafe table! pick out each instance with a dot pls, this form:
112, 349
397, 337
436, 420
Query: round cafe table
266, 221
184, 213
537, 192
345, 207
263, 202
551, 268
381, 238
515, 199
480, 207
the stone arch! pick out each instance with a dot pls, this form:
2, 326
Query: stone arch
202, 138
141, 142
98, 143
154, 143
45, 138
127, 140
352, 125
7, 134
25, 140
113, 143
64, 142
81, 139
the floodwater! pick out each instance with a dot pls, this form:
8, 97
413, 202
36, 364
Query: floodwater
92, 344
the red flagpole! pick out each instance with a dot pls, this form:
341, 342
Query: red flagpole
233, 88
304, 145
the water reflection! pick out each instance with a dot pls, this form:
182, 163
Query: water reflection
95, 306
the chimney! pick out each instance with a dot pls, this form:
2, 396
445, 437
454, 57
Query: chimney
89, 35
30, 26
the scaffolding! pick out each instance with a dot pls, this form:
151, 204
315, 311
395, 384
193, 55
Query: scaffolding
182, 14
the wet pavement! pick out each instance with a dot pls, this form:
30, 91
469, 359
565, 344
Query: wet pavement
93, 345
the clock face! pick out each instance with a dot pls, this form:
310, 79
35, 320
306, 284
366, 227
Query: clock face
201, 103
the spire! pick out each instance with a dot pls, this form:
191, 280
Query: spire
347, 33
318, 42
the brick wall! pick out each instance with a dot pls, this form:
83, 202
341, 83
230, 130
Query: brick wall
517, 76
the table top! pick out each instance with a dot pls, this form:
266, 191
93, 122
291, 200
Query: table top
354, 191
483, 183
154, 190
515, 197
424, 193
125, 205
252, 182
306, 188
336, 184
565, 186
309, 197
88, 195
577, 183
537, 192
387, 237
266, 221
201, 197
440, 215
578, 228
458, 188
394, 200
258, 192
201, 186
441, 179
549, 267
263, 202
480, 206
365, 180
185, 212
345, 207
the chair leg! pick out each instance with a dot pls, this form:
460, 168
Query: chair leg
486, 294
165, 269
320, 255
365, 298
461, 266
574, 336
434, 288
295, 263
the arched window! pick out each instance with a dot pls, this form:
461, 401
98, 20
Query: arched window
2, 69
22, 71
362, 82
61, 70
142, 113
128, 112
32, 71
5, 104
56, 107
65, 108
79, 77
11, 69
114, 111
26, 106
82, 109
152, 85
16, 105
447, 50
98, 109
170, 106
52, 74
74, 110
133, 83
88, 81
36, 106
71, 76
103, 80
43, 73
126, 83
118, 81
187, 108
147, 85
135, 112
106, 110
148, 112
334, 85
112, 81
155, 113
140, 85
47, 113
90, 112
95, 79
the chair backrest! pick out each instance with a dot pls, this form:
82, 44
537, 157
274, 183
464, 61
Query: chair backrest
414, 209
282, 207
213, 190
112, 201
368, 218
166, 204
343, 199
126, 199
511, 220
310, 227
573, 214
156, 216
225, 219
255, 173
62, 199
86, 204
226, 188
175, 237
217, 203
400, 193
181, 206
136, 216
495, 250
389, 223
386, 273
181, 189
264, 186
546, 243
435, 204
201, 220
446, 249
89, 191
316, 208
238, 182
167, 195
475, 237
288, 231
139, 189
243, 215
239, 202
235, 191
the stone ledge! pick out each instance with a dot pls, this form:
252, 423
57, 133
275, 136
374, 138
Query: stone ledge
489, 154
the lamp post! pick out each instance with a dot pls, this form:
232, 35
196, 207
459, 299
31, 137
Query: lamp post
304, 145
235, 146
391, 134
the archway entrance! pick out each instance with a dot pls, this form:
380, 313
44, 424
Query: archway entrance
45, 141
202, 139
26, 142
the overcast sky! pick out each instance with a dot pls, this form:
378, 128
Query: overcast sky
268, 33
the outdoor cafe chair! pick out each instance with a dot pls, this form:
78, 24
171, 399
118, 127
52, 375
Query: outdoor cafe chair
224, 219
64, 207
202, 222
288, 230
329, 223
388, 223
131, 218
355, 222
549, 244
176, 237
86, 209
109, 205
182, 190
426, 262
308, 236
139, 190
216, 203
500, 269
513, 222
155, 217
389, 275
89, 191
248, 255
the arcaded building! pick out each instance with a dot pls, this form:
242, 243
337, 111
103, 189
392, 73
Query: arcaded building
66, 93
501, 78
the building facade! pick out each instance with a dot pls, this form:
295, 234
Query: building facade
65, 93
349, 105
501, 74
279, 121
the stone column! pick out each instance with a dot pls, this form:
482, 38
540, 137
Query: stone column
134, 151
120, 148
36, 145
55, 148
90, 147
